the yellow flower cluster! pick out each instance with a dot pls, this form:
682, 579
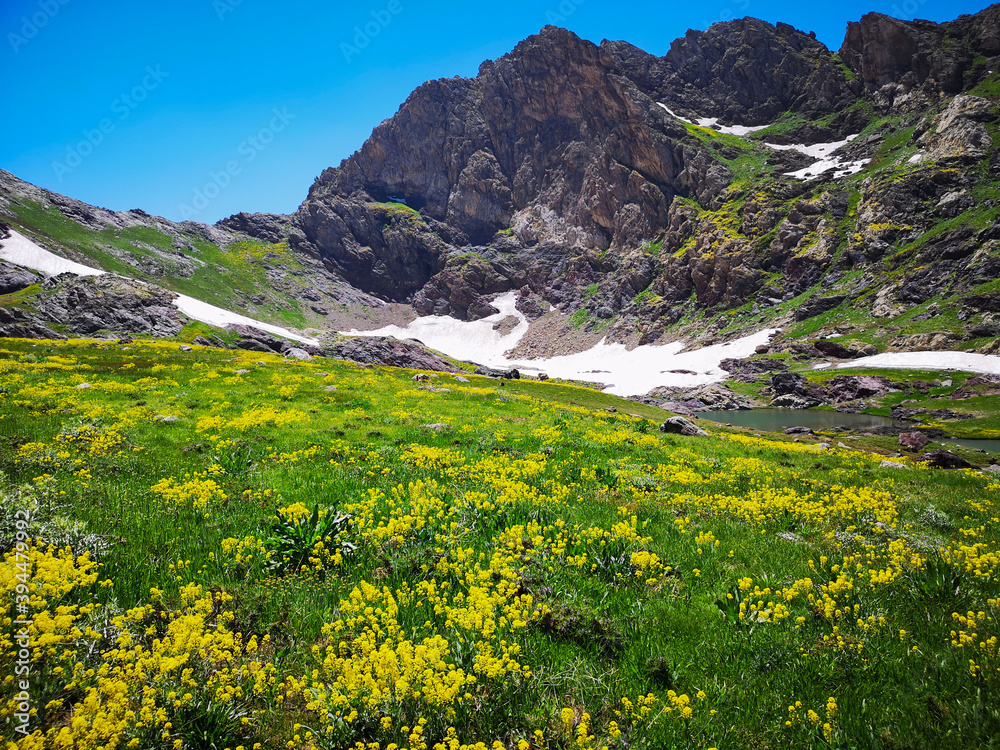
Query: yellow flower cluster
983, 649
161, 662
195, 491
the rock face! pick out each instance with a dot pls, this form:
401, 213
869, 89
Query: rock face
689, 401
15, 278
906, 63
19, 324
793, 391
843, 388
86, 306
388, 352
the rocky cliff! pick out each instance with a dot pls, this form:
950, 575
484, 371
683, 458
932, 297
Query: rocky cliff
644, 192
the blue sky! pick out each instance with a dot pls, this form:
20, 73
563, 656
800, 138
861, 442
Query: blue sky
201, 108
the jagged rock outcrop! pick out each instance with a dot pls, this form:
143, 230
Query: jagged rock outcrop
15, 278
19, 324
271, 228
389, 352
747, 72
793, 391
906, 64
93, 304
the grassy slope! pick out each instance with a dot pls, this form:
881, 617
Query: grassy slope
568, 561
222, 277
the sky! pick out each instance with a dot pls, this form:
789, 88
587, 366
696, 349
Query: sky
198, 109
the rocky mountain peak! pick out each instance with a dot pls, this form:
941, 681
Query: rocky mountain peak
906, 64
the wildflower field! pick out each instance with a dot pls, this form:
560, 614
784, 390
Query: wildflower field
217, 549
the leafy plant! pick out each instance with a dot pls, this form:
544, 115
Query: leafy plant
295, 538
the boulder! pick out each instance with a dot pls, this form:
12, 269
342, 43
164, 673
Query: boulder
914, 441
792, 391
15, 278
843, 388
943, 459
682, 426
792, 401
492, 372
892, 465
833, 348
299, 354
389, 352
799, 430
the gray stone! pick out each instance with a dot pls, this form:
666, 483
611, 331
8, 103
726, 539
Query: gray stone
682, 426
892, 465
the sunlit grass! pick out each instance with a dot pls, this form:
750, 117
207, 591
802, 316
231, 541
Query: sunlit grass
539, 572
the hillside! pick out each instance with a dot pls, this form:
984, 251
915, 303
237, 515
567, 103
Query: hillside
323, 555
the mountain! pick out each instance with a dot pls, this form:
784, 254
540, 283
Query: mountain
749, 178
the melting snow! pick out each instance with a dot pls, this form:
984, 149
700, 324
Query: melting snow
825, 160
626, 373
713, 122
20, 250
216, 316
985, 364
822, 152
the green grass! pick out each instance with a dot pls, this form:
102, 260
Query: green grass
222, 277
598, 551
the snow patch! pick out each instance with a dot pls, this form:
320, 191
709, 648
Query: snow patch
20, 250
24, 252
216, 316
469, 340
821, 152
825, 159
624, 373
984, 364
713, 122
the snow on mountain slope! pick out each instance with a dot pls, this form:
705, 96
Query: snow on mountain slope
624, 372
22, 251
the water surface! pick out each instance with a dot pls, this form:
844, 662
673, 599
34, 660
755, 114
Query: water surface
777, 420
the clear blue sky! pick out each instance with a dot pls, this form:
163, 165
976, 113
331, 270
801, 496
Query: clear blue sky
186, 88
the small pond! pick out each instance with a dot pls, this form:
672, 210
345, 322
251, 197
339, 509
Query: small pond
776, 420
